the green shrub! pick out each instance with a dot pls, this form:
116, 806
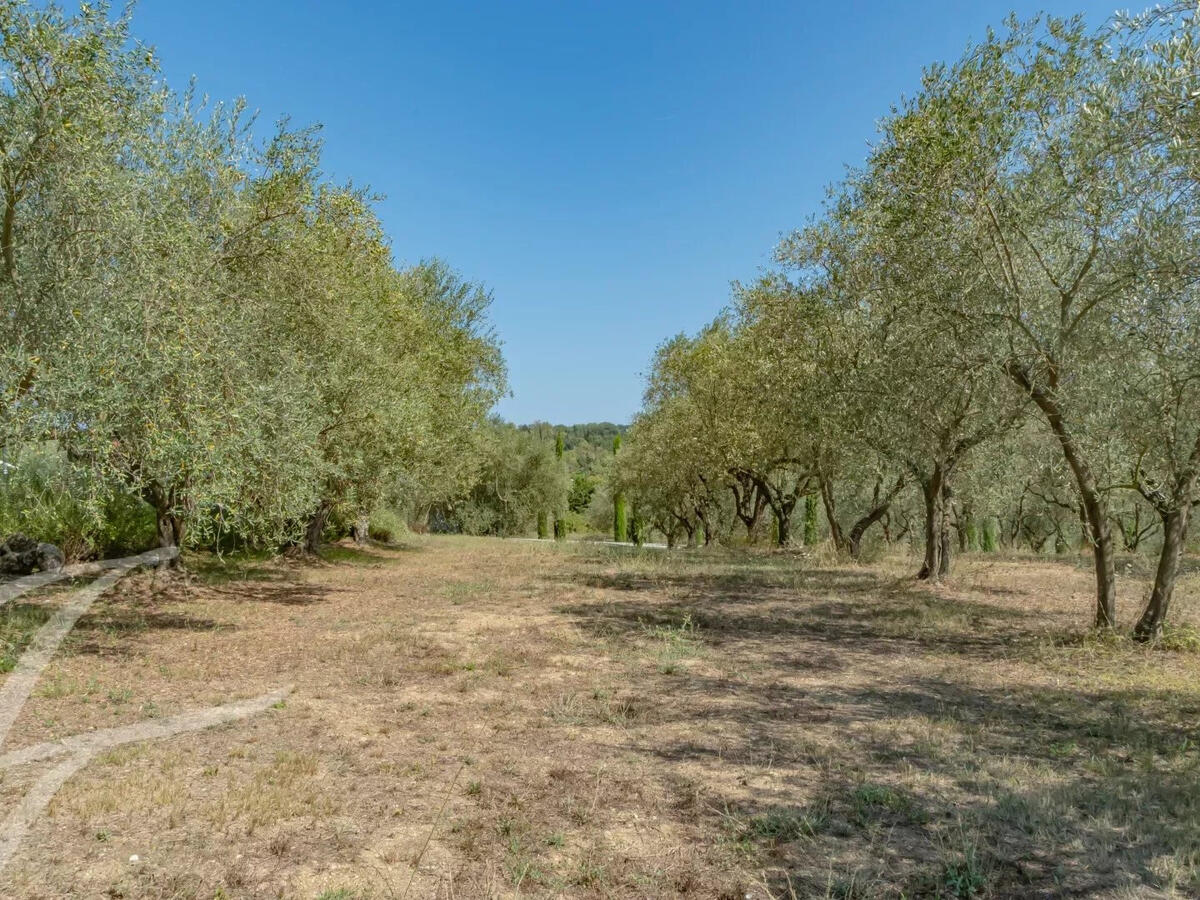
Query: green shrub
44, 496
386, 526
579, 498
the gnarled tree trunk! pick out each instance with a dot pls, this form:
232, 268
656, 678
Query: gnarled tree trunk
1175, 526
315, 528
937, 541
835, 528
880, 504
169, 522
749, 502
1175, 510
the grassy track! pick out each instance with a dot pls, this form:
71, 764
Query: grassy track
477, 718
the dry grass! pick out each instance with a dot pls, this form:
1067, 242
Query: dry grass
476, 718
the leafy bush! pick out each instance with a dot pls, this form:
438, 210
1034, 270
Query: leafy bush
44, 496
579, 498
386, 526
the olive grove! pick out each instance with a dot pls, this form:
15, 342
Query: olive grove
991, 334
200, 320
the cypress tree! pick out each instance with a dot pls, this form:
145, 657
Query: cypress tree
543, 529
972, 534
620, 511
560, 526
991, 530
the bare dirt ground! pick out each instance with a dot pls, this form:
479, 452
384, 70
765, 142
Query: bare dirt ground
476, 718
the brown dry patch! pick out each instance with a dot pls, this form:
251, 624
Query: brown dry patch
498, 719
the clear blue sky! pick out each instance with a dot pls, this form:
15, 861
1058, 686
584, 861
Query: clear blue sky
606, 167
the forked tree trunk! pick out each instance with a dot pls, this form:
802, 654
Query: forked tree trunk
748, 503
783, 523
170, 528
879, 507
1175, 526
1175, 512
933, 492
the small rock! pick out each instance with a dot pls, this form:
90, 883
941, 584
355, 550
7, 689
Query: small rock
22, 555
51, 558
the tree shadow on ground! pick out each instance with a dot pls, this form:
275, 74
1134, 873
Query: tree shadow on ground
1023, 788
355, 555
284, 592
1040, 792
1049, 792
94, 635
870, 614
154, 603
746, 585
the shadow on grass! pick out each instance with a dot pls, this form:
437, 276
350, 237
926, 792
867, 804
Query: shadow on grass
869, 614
345, 554
1039, 792
283, 591
209, 569
1015, 788
1023, 791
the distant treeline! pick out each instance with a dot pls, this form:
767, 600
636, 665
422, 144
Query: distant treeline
598, 434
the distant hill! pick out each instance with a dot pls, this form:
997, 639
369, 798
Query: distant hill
598, 434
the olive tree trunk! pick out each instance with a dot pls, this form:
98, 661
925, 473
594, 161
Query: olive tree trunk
1175, 526
1093, 509
315, 529
1175, 510
937, 542
362, 529
170, 525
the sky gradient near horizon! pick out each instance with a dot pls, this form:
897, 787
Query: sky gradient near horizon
606, 168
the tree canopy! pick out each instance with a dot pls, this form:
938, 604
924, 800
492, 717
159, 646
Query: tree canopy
1012, 270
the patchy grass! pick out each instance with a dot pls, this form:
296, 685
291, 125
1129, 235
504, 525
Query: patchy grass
672, 644
479, 718
19, 622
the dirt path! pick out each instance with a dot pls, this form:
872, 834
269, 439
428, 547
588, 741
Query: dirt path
475, 718
18, 686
